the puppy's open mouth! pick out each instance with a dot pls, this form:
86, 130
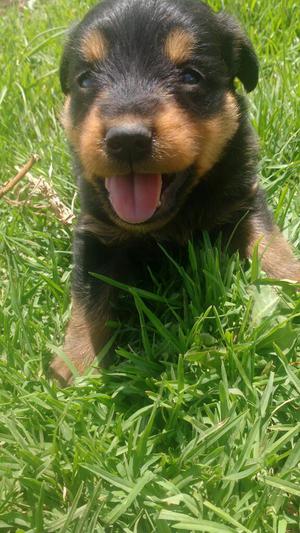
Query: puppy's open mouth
136, 197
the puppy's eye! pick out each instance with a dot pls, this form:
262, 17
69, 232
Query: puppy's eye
85, 80
190, 76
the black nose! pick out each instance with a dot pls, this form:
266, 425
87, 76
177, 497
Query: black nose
130, 142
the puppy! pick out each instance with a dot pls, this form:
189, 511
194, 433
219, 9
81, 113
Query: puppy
162, 149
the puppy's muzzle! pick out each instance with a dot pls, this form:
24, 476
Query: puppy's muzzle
129, 143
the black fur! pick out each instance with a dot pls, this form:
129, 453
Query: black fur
133, 74
133, 78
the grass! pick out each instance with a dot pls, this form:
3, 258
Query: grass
196, 425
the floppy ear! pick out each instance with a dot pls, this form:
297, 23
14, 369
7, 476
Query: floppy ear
65, 62
238, 52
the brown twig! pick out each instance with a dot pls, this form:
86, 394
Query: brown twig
43, 188
10, 184
37, 187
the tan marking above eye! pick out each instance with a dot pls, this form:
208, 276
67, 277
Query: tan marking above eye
94, 46
179, 45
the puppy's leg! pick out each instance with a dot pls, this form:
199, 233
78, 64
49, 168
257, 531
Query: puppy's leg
92, 303
86, 334
276, 255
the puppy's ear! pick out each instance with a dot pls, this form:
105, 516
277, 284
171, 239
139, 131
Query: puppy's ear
66, 60
238, 52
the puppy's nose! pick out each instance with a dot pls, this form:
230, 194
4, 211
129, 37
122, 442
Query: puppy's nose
129, 143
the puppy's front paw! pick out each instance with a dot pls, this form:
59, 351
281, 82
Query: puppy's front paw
61, 372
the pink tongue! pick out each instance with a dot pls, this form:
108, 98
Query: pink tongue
134, 197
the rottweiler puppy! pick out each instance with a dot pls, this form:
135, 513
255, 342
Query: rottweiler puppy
162, 149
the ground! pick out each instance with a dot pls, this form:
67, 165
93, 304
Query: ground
196, 424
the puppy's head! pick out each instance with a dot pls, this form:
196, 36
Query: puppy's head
150, 104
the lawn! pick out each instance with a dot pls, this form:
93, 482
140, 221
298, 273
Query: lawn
196, 424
